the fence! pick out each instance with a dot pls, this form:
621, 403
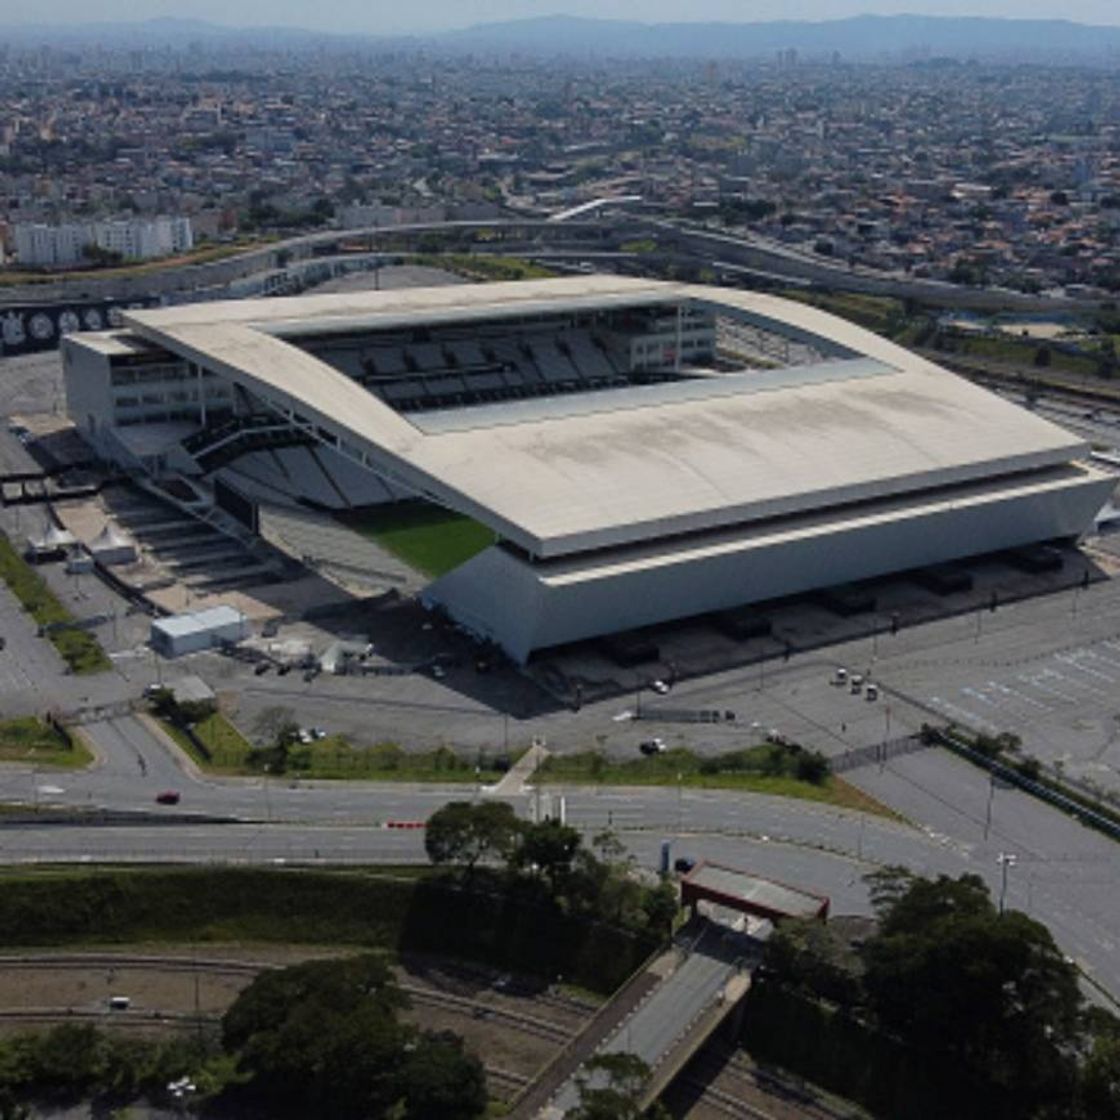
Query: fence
685, 715
876, 753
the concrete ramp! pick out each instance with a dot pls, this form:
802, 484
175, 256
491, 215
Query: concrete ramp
513, 782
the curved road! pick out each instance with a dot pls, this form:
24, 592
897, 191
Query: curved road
1064, 874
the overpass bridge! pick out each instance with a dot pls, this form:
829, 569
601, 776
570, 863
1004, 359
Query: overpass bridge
671, 1009
699, 985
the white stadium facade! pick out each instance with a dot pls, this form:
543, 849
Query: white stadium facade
643, 451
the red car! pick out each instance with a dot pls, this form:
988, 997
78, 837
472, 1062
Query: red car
168, 797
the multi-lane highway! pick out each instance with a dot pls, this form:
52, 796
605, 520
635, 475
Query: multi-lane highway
1064, 874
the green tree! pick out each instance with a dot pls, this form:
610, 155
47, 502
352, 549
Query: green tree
805, 952
1100, 1080
322, 1038
610, 1088
548, 847
275, 724
442, 1082
949, 974
463, 834
661, 906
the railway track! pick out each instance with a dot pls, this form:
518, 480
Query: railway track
724, 1102
130, 1018
78, 961
479, 1009
731, 1065
428, 996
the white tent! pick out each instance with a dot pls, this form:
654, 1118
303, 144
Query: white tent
55, 542
111, 546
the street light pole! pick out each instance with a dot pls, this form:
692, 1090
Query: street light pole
991, 797
1005, 860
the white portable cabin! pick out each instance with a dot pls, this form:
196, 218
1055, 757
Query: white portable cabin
188, 633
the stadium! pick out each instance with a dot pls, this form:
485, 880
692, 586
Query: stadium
641, 451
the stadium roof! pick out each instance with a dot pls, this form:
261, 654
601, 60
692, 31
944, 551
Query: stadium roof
618, 467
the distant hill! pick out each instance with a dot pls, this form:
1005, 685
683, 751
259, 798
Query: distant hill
860, 37
857, 37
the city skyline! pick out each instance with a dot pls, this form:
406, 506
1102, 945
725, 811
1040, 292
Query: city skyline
442, 15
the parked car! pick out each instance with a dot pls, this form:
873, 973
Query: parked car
652, 746
168, 797
660, 687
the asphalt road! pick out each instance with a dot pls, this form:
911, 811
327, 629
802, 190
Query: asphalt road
1064, 875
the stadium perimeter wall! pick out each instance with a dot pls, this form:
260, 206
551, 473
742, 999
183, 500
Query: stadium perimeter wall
523, 607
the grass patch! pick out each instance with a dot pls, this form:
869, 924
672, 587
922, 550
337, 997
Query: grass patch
335, 758
396, 913
878, 313
30, 740
204, 254
428, 538
78, 648
220, 737
483, 266
754, 770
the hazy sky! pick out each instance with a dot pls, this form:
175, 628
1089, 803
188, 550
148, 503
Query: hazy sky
379, 16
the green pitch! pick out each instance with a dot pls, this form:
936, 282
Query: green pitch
426, 537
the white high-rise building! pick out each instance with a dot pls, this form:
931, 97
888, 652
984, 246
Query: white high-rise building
133, 238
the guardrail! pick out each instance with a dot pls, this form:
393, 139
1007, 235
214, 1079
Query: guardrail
1075, 808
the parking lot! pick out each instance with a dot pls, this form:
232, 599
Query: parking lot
1044, 664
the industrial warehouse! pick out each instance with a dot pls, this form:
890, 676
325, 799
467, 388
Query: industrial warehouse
642, 451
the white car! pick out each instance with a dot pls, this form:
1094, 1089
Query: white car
660, 687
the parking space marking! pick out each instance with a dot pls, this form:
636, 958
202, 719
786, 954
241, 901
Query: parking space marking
965, 716
1074, 660
1036, 683
1019, 695
1097, 656
979, 694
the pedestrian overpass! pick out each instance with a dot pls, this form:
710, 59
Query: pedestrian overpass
668, 1011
